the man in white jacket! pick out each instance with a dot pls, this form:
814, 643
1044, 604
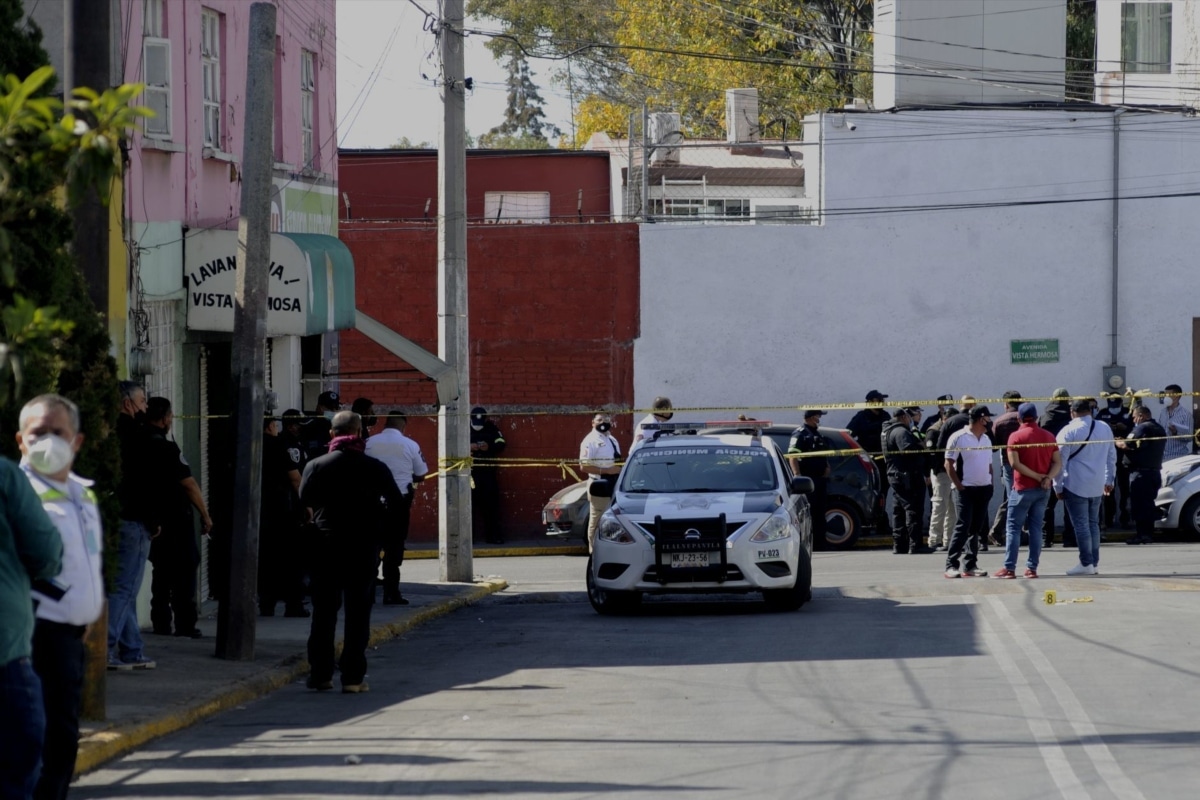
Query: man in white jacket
49, 438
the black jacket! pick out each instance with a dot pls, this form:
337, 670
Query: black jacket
1056, 416
867, 428
1145, 446
903, 453
351, 495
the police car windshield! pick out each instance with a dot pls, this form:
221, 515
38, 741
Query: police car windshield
716, 468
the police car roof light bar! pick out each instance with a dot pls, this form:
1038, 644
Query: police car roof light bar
677, 428
754, 427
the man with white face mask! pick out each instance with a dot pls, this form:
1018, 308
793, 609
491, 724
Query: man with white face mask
598, 454
49, 439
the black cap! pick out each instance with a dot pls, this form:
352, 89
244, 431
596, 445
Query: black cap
329, 399
812, 412
913, 409
874, 395
945, 398
1081, 406
899, 412
979, 411
478, 411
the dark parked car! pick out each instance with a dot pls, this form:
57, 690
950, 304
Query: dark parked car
853, 491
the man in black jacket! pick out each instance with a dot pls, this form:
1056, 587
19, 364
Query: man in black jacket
351, 496
867, 429
1056, 417
1116, 417
906, 462
1144, 451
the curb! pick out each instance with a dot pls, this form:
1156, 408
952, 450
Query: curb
103, 746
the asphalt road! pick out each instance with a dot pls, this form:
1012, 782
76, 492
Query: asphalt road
893, 683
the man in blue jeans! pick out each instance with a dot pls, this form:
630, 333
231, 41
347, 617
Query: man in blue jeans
1089, 460
1034, 461
140, 521
30, 550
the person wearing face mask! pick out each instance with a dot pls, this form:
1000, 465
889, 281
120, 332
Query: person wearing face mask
486, 443
316, 429
31, 550
1116, 417
660, 412
141, 520
1176, 420
598, 454
175, 553
49, 438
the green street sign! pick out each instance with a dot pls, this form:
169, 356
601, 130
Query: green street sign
1034, 351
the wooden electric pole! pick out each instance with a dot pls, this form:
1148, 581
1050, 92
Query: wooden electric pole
454, 440
237, 612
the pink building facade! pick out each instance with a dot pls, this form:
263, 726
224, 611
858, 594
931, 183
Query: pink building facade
180, 207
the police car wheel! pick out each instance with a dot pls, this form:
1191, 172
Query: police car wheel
608, 602
842, 525
1189, 518
800, 593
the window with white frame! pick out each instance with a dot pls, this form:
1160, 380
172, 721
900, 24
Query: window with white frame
718, 208
210, 61
156, 71
308, 90
1146, 37
513, 207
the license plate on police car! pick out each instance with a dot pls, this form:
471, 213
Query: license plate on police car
689, 560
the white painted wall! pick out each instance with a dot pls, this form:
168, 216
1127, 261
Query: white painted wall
919, 303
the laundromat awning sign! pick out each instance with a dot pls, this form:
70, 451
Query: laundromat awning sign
310, 287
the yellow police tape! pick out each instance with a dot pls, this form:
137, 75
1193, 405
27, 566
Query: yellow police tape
1051, 598
1140, 395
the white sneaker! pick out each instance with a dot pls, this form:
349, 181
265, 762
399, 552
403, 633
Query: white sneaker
1080, 569
1093, 570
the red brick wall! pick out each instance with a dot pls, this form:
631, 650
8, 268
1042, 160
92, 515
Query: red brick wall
397, 184
553, 315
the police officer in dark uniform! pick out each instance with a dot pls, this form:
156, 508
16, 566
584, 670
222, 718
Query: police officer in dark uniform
867, 429
1121, 422
280, 564
809, 439
906, 461
316, 429
175, 552
486, 442
1144, 452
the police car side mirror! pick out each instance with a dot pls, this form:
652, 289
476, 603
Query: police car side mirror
802, 485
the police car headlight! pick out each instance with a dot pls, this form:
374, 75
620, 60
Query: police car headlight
611, 530
778, 526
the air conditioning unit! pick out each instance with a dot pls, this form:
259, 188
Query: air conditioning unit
664, 137
741, 115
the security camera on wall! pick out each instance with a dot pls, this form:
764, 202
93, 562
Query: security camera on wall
851, 126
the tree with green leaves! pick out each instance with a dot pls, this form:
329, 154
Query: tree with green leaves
524, 126
801, 55
53, 338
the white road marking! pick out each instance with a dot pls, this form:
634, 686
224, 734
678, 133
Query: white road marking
1106, 764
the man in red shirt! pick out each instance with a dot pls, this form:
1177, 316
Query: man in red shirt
1033, 455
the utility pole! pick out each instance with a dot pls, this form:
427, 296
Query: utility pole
236, 614
454, 441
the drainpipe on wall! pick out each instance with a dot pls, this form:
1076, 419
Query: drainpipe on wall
1116, 226
1113, 375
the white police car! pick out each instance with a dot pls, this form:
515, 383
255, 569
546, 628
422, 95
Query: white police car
704, 513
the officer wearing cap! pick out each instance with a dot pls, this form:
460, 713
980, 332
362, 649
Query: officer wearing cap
486, 443
809, 439
867, 429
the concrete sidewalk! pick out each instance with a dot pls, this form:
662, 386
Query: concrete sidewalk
190, 683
